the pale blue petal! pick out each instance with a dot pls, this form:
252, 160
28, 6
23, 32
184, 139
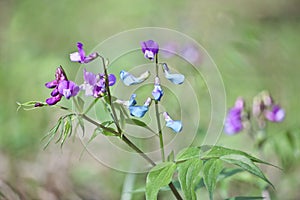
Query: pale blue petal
138, 111
176, 126
157, 92
174, 78
129, 79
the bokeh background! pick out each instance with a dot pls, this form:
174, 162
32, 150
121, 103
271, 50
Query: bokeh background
255, 45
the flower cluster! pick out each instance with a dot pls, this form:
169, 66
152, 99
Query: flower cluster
150, 50
94, 84
263, 109
61, 87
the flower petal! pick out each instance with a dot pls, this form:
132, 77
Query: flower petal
174, 78
138, 111
75, 57
111, 79
176, 126
128, 79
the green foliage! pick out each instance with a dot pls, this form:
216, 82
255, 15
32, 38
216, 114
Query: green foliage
189, 177
211, 171
159, 176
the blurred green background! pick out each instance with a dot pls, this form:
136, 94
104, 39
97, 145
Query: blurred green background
255, 45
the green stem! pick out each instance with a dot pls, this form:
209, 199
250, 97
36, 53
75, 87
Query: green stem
123, 137
91, 106
114, 114
161, 140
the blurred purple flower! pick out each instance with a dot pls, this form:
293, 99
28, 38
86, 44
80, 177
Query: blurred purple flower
94, 84
150, 49
176, 126
169, 50
276, 114
233, 123
191, 53
157, 92
80, 55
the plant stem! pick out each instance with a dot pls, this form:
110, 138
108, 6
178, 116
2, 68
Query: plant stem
114, 115
161, 140
123, 137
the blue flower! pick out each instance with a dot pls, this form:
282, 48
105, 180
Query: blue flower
135, 110
129, 79
140, 111
176, 126
174, 78
157, 92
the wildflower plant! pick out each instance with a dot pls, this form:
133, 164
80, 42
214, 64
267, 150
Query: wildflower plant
183, 172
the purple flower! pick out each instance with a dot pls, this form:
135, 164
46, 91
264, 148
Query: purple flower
233, 123
157, 92
94, 84
68, 89
150, 49
176, 126
80, 55
61, 87
276, 114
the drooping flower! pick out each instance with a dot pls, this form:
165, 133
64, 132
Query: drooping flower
157, 92
276, 114
61, 87
174, 78
139, 111
129, 79
80, 55
176, 126
94, 84
150, 49
233, 123
135, 110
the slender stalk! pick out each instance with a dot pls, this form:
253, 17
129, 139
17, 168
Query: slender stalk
123, 137
91, 106
114, 114
161, 140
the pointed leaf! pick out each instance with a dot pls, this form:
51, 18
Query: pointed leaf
211, 171
218, 151
80, 104
138, 123
188, 153
159, 176
246, 164
189, 177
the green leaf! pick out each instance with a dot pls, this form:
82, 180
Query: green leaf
244, 198
80, 123
170, 157
140, 123
246, 164
159, 176
218, 151
189, 177
80, 103
211, 171
188, 153
228, 172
